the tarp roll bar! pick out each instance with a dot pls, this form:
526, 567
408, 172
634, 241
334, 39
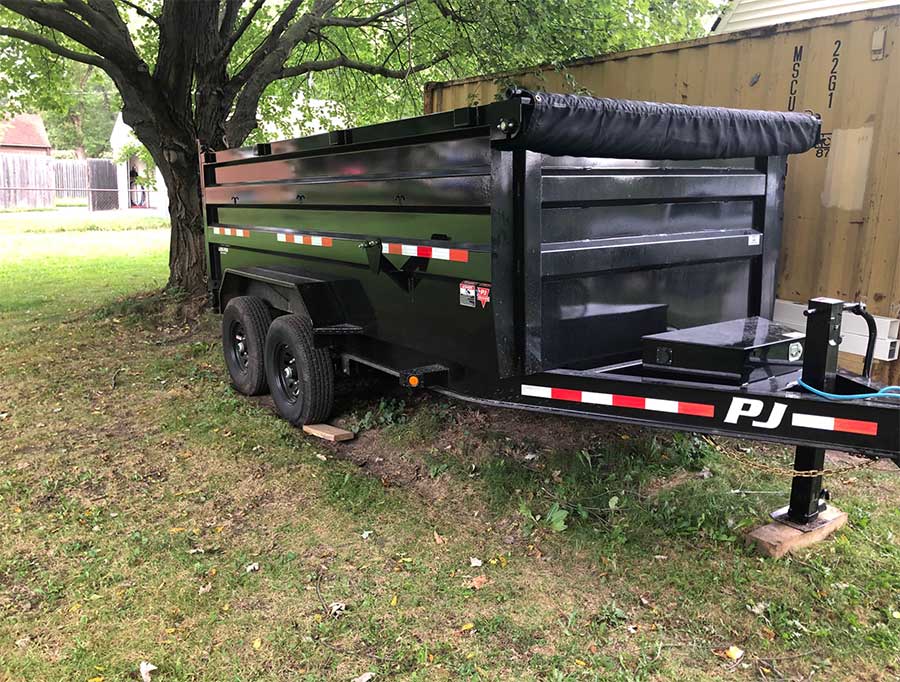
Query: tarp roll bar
575, 125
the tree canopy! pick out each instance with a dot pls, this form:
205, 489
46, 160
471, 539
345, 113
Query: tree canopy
476, 36
81, 116
208, 70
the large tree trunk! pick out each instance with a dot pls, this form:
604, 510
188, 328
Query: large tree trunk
187, 258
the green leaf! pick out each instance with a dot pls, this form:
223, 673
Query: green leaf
556, 518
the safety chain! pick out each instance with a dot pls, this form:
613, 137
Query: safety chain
786, 471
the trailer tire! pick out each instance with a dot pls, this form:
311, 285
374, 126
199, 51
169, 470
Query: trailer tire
245, 322
301, 376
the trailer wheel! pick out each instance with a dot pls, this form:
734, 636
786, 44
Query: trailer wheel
244, 325
301, 376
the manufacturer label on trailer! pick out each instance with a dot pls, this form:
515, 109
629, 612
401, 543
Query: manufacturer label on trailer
473, 293
467, 294
483, 294
752, 410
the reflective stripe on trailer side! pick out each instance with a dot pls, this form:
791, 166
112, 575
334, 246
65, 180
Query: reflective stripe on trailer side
812, 421
434, 252
618, 400
230, 232
305, 239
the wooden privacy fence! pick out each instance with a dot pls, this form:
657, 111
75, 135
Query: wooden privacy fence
26, 181
72, 178
36, 182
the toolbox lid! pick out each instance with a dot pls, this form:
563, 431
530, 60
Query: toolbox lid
576, 125
749, 348
743, 334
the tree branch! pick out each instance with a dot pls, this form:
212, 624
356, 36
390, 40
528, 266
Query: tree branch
267, 64
448, 12
347, 63
243, 26
227, 17
354, 22
53, 46
141, 11
105, 36
267, 46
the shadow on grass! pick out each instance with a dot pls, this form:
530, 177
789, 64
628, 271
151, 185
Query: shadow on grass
160, 308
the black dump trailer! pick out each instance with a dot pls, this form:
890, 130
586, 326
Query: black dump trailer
589, 257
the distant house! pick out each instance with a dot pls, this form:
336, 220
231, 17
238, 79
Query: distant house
132, 193
24, 134
746, 14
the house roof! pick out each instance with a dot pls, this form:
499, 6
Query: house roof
24, 130
746, 14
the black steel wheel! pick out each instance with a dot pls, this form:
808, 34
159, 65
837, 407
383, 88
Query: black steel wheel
245, 323
300, 376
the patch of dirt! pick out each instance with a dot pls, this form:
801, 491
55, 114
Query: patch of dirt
19, 599
660, 485
469, 432
472, 434
542, 431
374, 453
879, 477
840, 460
665, 483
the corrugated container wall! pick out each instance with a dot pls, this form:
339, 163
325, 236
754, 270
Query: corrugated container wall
842, 201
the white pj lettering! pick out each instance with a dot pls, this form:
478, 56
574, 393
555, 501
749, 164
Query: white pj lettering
748, 407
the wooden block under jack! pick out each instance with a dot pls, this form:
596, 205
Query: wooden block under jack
777, 539
328, 432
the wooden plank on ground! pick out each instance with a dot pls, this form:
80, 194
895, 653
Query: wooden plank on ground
777, 539
328, 432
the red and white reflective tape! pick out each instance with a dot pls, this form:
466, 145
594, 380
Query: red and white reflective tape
305, 239
814, 421
230, 232
615, 400
438, 253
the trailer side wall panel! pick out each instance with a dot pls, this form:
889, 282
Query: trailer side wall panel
841, 236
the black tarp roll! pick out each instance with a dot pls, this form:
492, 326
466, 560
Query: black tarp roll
574, 125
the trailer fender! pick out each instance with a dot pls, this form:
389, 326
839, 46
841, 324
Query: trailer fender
335, 306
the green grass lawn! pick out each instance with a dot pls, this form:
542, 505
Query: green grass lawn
140, 494
79, 220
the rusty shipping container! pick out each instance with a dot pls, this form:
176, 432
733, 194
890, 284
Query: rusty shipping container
841, 233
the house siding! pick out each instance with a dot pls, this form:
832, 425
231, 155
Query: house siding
747, 14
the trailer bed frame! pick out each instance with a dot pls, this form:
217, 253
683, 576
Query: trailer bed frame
369, 232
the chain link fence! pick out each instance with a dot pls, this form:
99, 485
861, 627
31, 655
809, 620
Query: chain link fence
49, 198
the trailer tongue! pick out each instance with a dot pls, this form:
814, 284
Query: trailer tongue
593, 258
